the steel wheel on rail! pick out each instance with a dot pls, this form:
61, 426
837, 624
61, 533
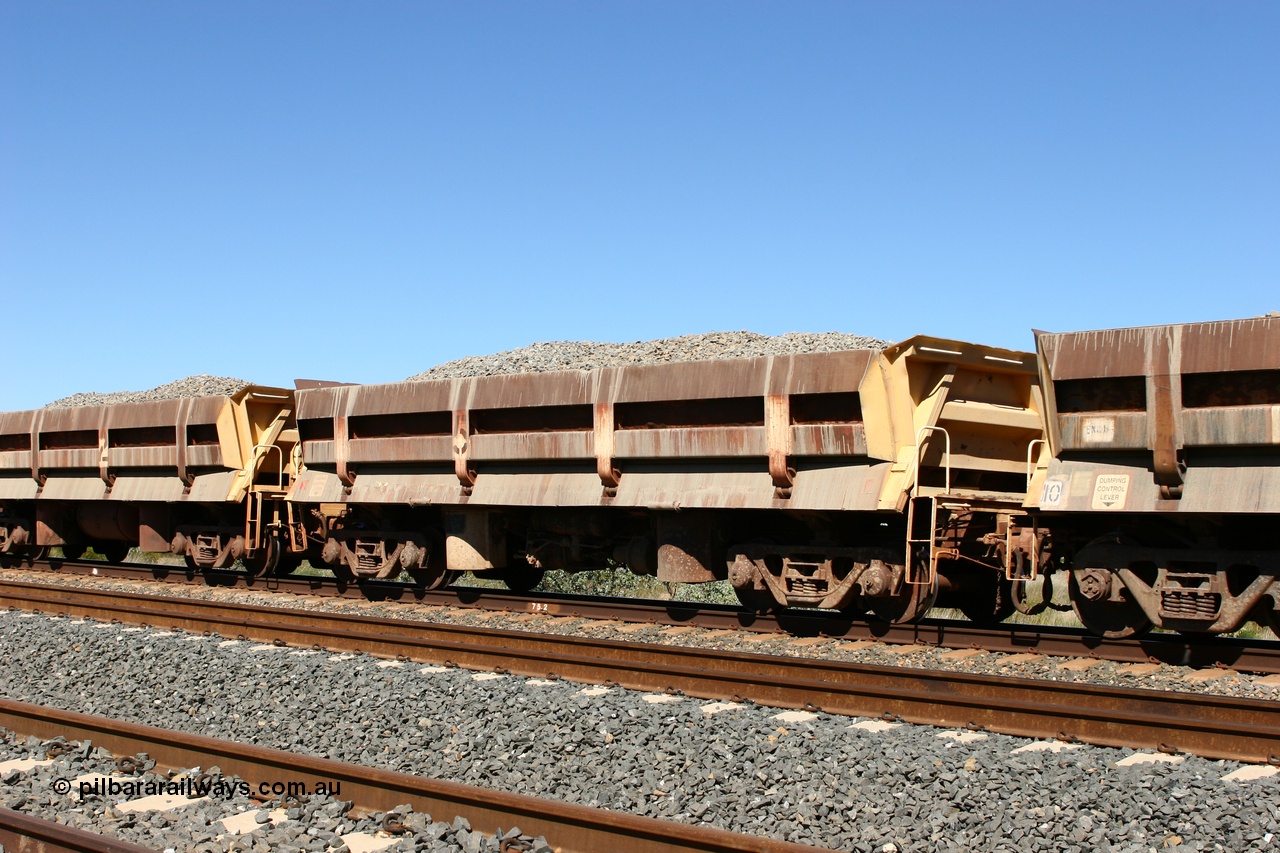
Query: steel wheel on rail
755, 600
911, 606
113, 552
435, 574
265, 559
288, 564
1271, 615
73, 552
520, 578
1099, 612
29, 554
987, 601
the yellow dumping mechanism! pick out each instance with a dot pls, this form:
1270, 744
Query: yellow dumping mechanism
960, 422
257, 436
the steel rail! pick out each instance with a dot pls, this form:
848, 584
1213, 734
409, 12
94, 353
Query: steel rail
569, 827
1211, 726
22, 833
1261, 657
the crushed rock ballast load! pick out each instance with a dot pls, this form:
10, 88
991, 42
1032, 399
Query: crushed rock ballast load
588, 355
201, 385
536, 358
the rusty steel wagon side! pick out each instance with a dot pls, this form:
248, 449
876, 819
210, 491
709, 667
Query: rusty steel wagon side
861, 479
1161, 475
203, 477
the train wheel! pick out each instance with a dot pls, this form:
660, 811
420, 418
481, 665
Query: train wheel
1272, 616
520, 579
342, 572
288, 564
912, 605
434, 578
756, 600
112, 552
72, 552
436, 574
1104, 617
988, 602
266, 559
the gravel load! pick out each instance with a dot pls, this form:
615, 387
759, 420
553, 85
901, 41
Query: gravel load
201, 385
314, 822
812, 778
588, 355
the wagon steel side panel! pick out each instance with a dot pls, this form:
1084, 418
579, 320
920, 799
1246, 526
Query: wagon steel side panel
549, 489
61, 487
518, 432
144, 488
314, 485
701, 489
211, 488
18, 488
17, 432
392, 487
791, 431
1187, 399
853, 485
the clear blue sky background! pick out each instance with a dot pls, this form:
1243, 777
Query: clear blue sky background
359, 191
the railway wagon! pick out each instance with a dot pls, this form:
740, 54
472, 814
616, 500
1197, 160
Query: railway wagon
866, 480
1160, 478
202, 477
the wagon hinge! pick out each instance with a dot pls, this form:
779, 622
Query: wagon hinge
180, 440
462, 450
35, 449
1166, 447
104, 452
340, 450
604, 447
777, 429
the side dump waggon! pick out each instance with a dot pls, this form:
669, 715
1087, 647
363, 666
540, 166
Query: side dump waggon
866, 480
1139, 468
202, 477
1160, 478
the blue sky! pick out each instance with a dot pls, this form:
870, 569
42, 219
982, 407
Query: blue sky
360, 191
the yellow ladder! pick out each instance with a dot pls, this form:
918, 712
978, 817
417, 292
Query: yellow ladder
923, 541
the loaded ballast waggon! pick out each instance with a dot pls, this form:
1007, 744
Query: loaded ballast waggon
1160, 473
201, 477
795, 477
1140, 464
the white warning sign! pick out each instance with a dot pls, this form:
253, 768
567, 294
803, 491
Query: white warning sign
1109, 491
316, 489
1055, 489
1098, 430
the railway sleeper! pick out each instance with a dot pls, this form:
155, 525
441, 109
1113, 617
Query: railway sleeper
1120, 589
